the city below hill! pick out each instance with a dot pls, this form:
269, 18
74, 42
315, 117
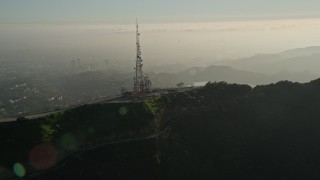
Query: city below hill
29, 86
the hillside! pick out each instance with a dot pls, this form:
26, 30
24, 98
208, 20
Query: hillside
296, 60
221, 131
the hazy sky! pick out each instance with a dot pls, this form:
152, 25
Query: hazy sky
123, 11
173, 31
161, 42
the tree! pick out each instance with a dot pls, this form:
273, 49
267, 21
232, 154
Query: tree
180, 84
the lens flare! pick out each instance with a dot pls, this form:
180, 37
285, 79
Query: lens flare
19, 170
68, 142
43, 156
91, 130
123, 111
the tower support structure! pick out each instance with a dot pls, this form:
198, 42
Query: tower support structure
142, 83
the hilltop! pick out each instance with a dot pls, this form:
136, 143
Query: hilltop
220, 131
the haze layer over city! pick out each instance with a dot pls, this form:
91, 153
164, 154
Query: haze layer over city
69, 52
173, 31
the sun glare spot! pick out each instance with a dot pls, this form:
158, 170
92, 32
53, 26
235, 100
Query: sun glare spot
123, 111
19, 170
43, 156
68, 142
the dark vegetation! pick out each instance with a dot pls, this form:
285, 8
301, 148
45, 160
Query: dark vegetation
221, 131
269, 132
73, 131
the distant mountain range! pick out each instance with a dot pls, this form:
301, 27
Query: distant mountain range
227, 74
297, 60
298, 65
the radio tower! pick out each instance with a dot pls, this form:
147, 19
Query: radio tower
142, 84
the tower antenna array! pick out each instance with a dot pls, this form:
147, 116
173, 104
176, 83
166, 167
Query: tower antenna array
141, 83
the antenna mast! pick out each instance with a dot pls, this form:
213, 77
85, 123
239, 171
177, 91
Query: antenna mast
141, 82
